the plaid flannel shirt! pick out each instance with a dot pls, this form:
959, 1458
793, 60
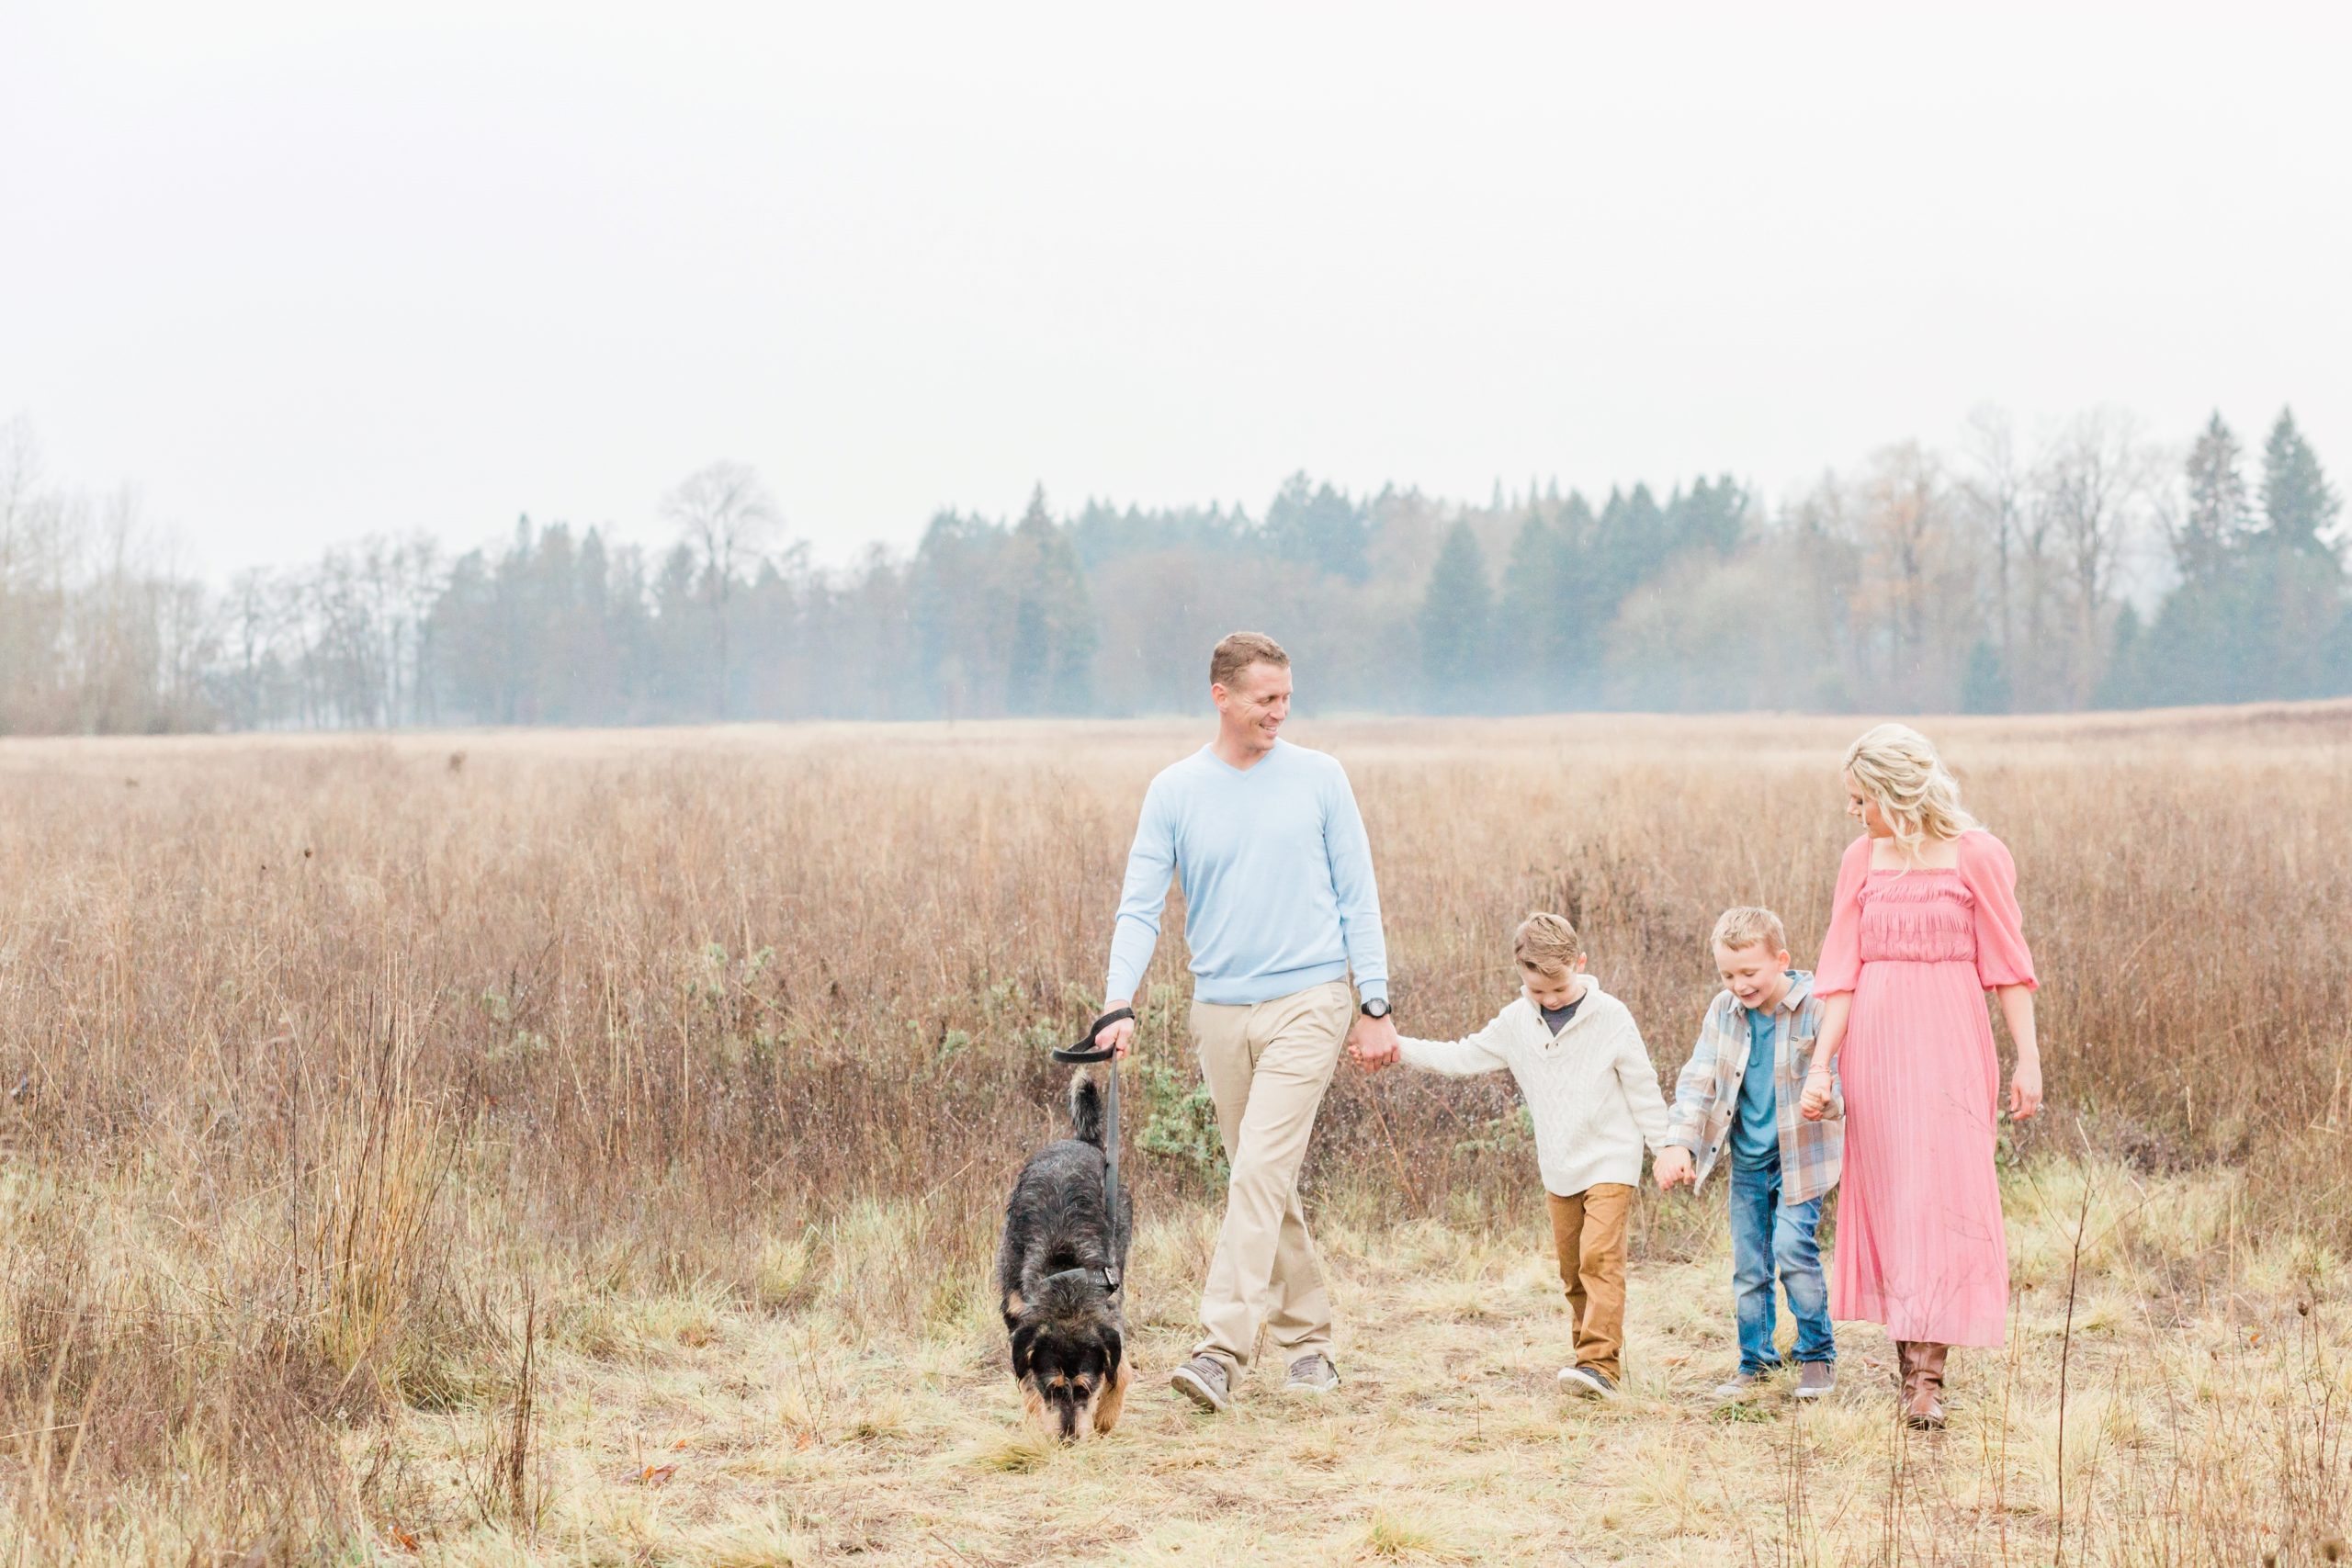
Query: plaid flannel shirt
1707, 1095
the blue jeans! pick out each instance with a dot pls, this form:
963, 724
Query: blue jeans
1765, 1233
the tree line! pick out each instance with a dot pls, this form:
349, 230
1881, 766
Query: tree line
2088, 566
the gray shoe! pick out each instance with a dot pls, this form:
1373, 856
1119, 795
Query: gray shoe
1205, 1380
1587, 1382
1816, 1379
1739, 1387
1312, 1374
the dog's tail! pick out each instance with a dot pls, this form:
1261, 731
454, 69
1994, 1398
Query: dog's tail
1086, 1107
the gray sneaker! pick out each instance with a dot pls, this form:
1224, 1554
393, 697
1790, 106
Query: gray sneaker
1587, 1382
1816, 1379
1738, 1388
1312, 1374
1205, 1380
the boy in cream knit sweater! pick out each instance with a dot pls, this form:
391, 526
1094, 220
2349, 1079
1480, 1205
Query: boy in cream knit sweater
1594, 1099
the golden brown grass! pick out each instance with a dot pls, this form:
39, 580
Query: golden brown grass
586, 1148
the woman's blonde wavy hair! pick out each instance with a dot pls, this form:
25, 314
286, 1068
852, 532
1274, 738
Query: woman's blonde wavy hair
1897, 769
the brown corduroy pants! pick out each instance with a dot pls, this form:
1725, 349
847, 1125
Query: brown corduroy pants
1589, 1233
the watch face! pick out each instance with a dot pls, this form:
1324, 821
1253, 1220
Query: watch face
1375, 1009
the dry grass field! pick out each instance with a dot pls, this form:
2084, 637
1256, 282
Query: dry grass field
586, 1148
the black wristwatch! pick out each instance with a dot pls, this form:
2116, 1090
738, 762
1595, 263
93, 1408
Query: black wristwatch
1376, 1007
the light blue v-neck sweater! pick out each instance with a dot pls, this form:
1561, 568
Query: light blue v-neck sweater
1277, 875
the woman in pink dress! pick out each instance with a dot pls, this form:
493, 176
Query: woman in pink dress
1925, 923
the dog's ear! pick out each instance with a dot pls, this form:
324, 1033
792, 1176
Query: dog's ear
1025, 1344
1113, 1347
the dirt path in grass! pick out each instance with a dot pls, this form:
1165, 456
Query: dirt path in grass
701, 1433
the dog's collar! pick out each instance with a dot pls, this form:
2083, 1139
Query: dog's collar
1110, 1276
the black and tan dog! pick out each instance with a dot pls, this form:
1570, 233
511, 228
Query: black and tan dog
1060, 1271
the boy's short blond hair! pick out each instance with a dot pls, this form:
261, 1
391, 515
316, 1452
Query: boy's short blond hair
1546, 942
1746, 926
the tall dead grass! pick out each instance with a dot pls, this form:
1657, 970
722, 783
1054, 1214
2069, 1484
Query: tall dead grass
344, 1068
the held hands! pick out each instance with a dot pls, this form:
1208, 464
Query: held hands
1372, 1042
1815, 1105
1674, 1168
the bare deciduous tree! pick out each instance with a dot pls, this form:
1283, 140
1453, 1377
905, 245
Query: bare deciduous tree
1997, 487
2092, 493
723, 514
1915, 599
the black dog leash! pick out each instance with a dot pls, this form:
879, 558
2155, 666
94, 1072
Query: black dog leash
1086, 1051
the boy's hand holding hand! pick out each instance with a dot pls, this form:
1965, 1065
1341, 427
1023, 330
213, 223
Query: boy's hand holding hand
1815, 1103
1674, 1168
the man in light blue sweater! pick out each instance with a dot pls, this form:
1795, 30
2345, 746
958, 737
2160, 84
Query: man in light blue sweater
1279, 908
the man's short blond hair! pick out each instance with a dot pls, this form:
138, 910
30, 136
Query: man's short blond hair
1746, 926
1238, 651
1547, 942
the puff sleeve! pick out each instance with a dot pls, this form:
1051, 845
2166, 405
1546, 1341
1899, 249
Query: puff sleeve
2002, 958
1841, 965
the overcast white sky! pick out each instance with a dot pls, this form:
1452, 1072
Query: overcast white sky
305, 272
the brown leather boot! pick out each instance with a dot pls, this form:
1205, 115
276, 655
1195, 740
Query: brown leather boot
1923, 1390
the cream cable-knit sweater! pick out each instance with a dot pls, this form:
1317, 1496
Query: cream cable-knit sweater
1590, 1089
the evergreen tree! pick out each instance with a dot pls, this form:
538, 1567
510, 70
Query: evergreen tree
2121, 685
2339, 655
1985, 688
1632, 542
2298, 505
1613, 552
2288, 614
1645, 540
1320, 527
2213, 528
2202, 645
1051, 659
1711, 517
1588, 604
1537, 623
1455, 625
948, 577
681, 648
2291, 602
1579, 527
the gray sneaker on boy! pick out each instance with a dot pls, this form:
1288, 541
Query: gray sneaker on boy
1816, 1379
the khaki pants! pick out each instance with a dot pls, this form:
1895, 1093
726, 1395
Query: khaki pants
1267, 1066
1589, 1233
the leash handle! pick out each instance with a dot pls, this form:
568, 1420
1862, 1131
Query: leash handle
1085, 1050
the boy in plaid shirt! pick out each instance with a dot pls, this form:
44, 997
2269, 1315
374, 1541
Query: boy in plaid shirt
1739, 1091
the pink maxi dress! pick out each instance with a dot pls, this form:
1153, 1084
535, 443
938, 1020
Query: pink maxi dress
1919, 1244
